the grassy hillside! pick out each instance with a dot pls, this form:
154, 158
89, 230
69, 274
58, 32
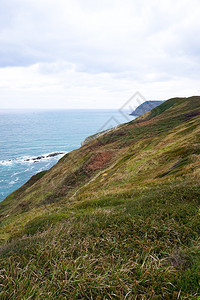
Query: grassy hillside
116, 219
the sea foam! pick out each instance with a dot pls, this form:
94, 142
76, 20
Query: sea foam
33, 159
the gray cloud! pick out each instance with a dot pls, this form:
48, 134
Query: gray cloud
137, 42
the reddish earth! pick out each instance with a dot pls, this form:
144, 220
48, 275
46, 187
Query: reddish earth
99, 160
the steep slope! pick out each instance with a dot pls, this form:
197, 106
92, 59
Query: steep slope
145, 107
117, 218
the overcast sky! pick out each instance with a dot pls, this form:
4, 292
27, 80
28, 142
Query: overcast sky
96, 54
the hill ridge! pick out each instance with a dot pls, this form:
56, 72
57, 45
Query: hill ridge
118, 216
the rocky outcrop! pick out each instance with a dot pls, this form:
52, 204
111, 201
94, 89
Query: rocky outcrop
94, 136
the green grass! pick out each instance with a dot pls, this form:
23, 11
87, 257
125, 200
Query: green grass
149, 247
162, 108
116, 219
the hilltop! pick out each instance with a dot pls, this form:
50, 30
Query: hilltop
145, 107
117, 218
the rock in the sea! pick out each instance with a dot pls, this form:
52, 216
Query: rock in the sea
55, 154
35, 159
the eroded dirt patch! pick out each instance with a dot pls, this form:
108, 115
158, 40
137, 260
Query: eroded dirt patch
100, 160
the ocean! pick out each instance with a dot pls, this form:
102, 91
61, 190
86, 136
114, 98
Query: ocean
34, 140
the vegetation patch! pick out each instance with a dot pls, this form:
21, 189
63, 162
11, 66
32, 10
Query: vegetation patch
116, 219
42, 223
162, 108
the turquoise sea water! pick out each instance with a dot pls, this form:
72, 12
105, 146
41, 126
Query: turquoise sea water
27, 135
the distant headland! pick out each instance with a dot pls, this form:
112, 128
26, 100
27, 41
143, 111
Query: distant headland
145, 107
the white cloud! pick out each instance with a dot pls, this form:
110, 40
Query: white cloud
77, 53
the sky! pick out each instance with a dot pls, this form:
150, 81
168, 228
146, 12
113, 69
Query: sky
97, 54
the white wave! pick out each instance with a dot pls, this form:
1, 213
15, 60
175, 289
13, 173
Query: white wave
28, 169
16, 173
42, 157
5, 162
13, 181
34, 159
40, 170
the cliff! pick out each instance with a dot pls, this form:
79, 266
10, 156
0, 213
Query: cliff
117, 218
94, 136
145, 107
